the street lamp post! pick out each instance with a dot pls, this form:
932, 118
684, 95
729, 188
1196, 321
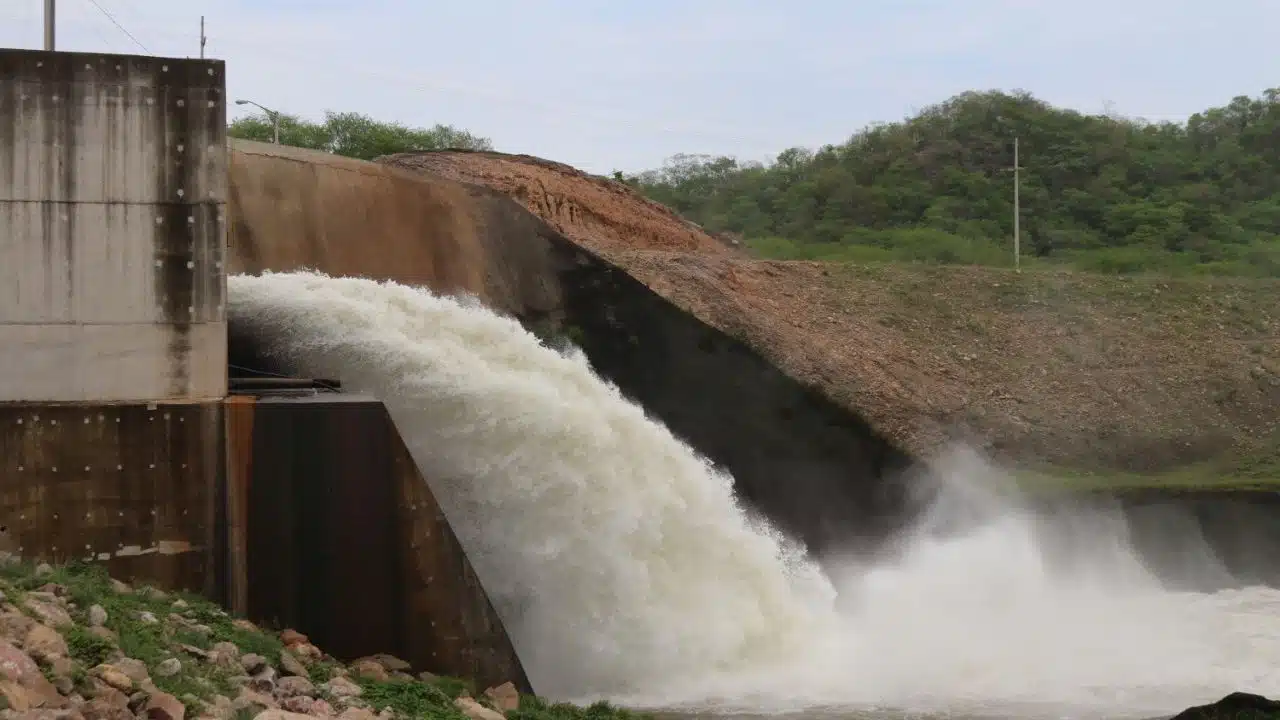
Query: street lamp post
48, 24
271, 114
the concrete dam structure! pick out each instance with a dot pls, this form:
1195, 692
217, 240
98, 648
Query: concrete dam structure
123, 440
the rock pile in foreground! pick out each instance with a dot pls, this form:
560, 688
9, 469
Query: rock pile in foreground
78, 645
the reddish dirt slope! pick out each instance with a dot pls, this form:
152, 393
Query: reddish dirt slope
601, 214
1053, 367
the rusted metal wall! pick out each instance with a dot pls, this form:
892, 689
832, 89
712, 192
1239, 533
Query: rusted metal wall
135, 486
112, 227
343, 541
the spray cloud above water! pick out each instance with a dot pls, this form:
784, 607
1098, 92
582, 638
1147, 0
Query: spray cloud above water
623, 566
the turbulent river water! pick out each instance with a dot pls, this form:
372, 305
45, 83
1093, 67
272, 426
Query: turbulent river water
624, 568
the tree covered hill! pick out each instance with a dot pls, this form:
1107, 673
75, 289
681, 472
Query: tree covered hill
1098, 192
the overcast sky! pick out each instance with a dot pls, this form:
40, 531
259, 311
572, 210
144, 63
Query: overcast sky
623, 84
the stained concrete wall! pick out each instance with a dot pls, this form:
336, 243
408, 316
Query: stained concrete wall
296, 209
112, 204
135, 486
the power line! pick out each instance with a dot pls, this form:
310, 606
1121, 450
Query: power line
117, 24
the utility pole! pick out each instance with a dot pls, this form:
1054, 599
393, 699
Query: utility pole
202, 37
48, 24
1017, 213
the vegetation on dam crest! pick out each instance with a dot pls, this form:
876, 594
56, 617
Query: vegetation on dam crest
79, 645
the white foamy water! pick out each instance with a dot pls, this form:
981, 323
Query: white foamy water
623, 566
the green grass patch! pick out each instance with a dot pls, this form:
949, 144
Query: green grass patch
454, 687
534, 708
410, 698
140, 621
1259, 470
322, 671
87, 648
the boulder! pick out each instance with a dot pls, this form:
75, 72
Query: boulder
23, 680
47, 609
44, 643
253, 663
248, 699
505, 697
97, 616
102, 709
135, 669
475, 710
291, 665
115, 677
341, 687
294, 686
390, 662
107, 703
292, 637
14, 625
280, 715
299, 704
163, 706
306, 652
225, 654
370, 670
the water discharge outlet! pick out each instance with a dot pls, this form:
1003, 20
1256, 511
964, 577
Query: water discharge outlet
623, 565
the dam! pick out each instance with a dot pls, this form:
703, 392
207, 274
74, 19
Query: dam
657, 515
125, 440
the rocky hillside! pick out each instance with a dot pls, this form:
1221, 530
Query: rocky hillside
78, 645
1069, 371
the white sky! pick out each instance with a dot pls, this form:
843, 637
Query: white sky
623, 84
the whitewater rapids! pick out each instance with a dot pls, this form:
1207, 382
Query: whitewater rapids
623, 566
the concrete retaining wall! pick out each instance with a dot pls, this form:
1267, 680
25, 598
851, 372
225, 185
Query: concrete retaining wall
298, 209
134, 485
334, 531
112, 201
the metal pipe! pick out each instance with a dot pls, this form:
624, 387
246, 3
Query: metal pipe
268, 383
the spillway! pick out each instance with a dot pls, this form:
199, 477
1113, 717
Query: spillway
624, 567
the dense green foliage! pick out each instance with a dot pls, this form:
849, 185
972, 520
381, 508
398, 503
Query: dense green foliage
355, 135
1099, 192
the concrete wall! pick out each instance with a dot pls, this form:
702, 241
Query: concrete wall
333, 531
136, 486
112, 202
293, 209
